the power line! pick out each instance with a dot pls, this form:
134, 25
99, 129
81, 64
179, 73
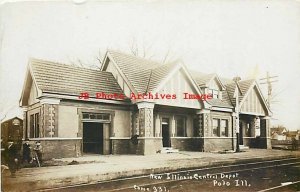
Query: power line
269, 80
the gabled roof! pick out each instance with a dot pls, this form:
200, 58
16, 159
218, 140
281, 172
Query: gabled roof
203, 79
228, 98
224, 102
244, 86
9, 119
226, 80
158, 74
51, 77
144, 75
137, 70
278, 130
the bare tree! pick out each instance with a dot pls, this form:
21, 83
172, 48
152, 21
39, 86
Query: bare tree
100, 58
143, 50
79, 63
167, 56
146, 51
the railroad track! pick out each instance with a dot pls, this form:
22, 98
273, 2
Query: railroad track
144, 181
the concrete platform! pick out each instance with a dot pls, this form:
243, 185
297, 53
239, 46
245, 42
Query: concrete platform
101, 168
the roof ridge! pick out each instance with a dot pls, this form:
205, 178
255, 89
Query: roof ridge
58, 78
228, 95
61, 64
194, 72
240, 81
248, 80
133, 56
147, 88
164, 64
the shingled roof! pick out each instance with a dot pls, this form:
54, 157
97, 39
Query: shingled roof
220, 102
201, 78
51, 77
158, 74
244, 87
144, 75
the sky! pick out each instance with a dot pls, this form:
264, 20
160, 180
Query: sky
230, 38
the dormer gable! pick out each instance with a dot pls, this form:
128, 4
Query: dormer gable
209, 84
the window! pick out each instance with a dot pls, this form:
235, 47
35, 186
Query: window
224, 128
85, 116
214, 93
220, 127
92, 116
216, 127
196, 131
31, 131
180, 127
96, 116
248, 129
34, 122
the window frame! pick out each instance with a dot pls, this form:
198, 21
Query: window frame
226, 127
215, 93
219, 127
105, 117
34, 125
196, 127
184, 131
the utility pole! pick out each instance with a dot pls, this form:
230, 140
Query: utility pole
237, 111
269, 80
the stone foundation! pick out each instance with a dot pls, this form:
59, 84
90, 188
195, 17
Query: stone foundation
148, 146
59, 148
187, 144
260, 143
218, 144
120, 146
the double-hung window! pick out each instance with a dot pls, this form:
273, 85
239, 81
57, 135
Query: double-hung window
180, 126
34, 123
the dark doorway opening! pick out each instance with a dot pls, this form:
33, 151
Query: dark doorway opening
241, 134
166, 133
93, 138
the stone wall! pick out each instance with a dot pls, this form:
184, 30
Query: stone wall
187, 144
120, 146
259, 142
60, 148
49, 120
218, 144
148, 146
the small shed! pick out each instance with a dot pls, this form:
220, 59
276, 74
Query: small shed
12, 129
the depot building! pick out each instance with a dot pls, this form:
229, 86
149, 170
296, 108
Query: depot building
69, 125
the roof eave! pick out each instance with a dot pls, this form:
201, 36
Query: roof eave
76, 98
27, 75
110, 57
